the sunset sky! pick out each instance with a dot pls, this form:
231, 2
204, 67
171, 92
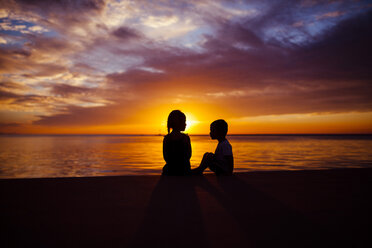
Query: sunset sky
120, 67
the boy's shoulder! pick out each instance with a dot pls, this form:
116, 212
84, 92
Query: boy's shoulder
225, 142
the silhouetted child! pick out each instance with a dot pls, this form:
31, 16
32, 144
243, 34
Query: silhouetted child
176, 146
221, 161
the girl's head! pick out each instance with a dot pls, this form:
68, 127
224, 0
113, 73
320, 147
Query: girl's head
176, 121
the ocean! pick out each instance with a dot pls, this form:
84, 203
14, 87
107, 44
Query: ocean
38, 156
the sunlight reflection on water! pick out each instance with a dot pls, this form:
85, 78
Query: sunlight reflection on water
76, 156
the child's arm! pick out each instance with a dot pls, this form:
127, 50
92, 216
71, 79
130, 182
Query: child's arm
165, 150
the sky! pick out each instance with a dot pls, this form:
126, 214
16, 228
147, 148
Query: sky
120, 67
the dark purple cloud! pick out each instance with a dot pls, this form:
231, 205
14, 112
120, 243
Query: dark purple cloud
76, 116
19, 99
66, 90
329, 75
29, 59
60, 6
9, 125
136, 77
6, 95
286, 57
126, 33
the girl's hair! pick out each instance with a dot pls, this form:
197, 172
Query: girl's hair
174, 118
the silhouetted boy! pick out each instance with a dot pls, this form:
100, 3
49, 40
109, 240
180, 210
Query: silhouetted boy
221, 161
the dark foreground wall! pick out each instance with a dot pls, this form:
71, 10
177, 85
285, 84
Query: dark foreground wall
330, 208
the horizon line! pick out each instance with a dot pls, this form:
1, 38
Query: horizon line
162, 134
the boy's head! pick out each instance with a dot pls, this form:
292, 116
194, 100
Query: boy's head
218, 129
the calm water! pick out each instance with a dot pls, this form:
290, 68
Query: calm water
76, 156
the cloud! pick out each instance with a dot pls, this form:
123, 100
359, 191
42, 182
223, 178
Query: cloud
331, 74
298, 24
330, 15
38, 29
3, 41
250, 59
76, 116
341, 53
7, 125
66, 90
13, 88
39, 57
15, 104
126, 33
137, 82
159, 21
59, 7
5, 95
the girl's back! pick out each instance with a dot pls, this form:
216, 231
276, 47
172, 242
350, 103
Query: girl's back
177, 154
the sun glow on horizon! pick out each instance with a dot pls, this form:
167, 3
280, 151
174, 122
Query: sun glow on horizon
191, 123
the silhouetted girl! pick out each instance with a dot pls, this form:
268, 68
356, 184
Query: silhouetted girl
176, 146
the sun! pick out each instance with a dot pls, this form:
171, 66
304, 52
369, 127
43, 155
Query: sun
191, 122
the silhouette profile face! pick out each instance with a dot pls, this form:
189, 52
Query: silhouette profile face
183, 125
180, 125
213, 133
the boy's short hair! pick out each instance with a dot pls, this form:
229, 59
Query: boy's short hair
220, 125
